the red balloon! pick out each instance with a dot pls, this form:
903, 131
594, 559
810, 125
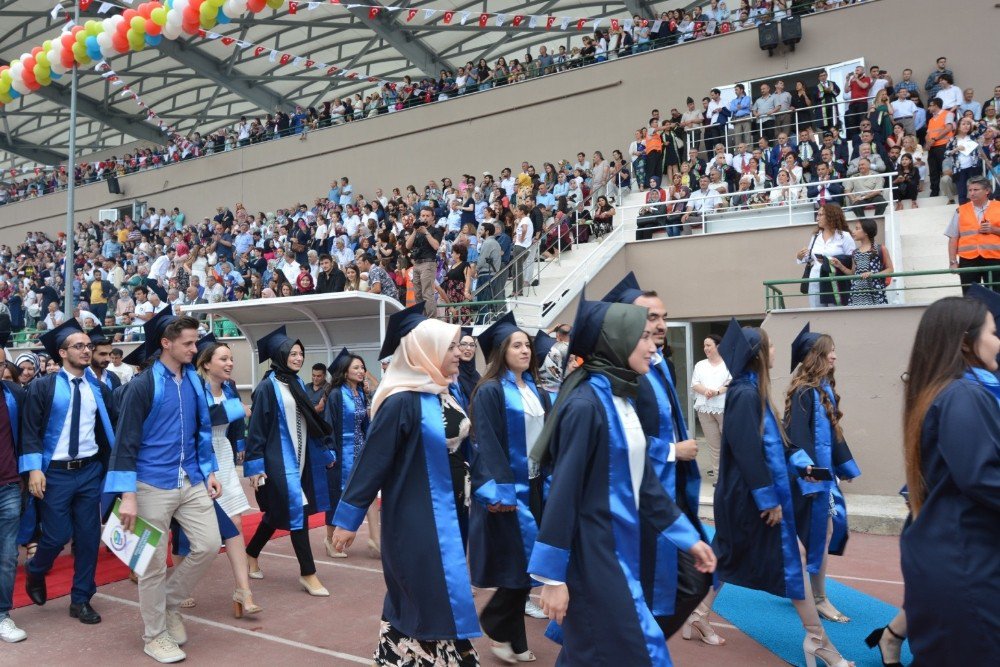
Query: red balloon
76, 29
191, 28
145, 9
120, 43
129, 14
35, 51
152, 28
256, 5
68, 59
29, 78
68, 41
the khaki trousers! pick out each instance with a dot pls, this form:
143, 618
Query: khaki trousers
194, 511
711, 426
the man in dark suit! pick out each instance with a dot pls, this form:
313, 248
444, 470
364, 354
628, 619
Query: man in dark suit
66, 439
11, 405
821, 191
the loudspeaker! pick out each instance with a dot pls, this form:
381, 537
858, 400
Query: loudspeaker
113, 186
791, 31
767, 33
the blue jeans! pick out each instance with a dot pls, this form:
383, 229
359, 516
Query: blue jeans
10, 513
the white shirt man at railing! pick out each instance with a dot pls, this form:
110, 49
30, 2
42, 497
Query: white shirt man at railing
702, 202
740, 111
903, 110
764, 108
865, 190
741, 158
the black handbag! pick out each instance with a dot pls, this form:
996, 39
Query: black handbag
804, 287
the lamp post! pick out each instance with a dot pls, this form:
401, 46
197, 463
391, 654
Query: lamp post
71, 186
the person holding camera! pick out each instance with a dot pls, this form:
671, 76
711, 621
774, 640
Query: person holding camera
423, 244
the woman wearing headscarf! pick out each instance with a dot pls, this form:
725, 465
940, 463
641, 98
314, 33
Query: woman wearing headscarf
812, 420
508, 412
346, 410
755, 536
287, 454
429, 616
603, 489
28, 363
461, 389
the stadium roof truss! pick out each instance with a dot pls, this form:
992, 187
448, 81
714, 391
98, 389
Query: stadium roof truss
202, 84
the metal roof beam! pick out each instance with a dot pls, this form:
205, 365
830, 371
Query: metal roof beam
423, 57
640, 7
31, 151
216, 71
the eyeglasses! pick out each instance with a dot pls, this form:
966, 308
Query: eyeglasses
471, 346
80, 347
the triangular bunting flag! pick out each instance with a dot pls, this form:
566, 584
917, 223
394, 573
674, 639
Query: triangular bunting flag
373, 13
293, 7
410, 14
614, 24
580, 24
533, 22
228, 41
429, 14
501, 19
284, 58
564, 22
549, 21
465, 17
447, 17
518, 20
483, 18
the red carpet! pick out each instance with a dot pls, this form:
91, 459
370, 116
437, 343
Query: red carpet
109, 569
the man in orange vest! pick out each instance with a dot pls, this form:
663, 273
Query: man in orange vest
940, 128
974, 237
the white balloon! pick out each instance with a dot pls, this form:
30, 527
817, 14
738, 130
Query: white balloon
171, 31
17, 78
107, 48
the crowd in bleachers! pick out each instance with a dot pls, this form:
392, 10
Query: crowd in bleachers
622, 39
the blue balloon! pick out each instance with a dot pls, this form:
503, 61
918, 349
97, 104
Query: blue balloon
93, 48
222, 18
153, 40
14, 94
54, 75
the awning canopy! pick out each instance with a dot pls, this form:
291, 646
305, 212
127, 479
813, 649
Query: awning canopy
322, 322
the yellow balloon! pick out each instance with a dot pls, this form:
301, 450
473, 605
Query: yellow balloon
275, 4
5, 98
138, 24
81, 37
159, 16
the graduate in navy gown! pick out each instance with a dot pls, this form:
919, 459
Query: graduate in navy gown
603, 488
950, 546
674, 588
101, 358
812, 421
461, 388
755, 536
287, 455
428, 616
468, 376
66, 439
347, 412
508, 412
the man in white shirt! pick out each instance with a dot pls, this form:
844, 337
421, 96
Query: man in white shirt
143, 308
702, 202
970, 104
290, 268
522, 242
122, 370
54, 317
158, 271
714, 131
346, 193
741, 159
507, 182
214, 292
949, 94
581, 162
903, 110
783, 108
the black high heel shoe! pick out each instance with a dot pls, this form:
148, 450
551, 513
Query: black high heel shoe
876, 636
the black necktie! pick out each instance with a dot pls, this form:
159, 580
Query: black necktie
74, 421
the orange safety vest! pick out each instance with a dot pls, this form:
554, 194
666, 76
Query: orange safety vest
937, 123
971, 243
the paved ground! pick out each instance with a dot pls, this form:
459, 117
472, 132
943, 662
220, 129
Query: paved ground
299, 630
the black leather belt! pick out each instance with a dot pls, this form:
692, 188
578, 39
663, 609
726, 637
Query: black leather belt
75, 464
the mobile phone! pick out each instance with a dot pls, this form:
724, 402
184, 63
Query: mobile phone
819, 256
822, 474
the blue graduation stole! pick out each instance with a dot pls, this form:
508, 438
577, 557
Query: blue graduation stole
347, 435
293, 481
453, 563
820, 511
980, 375
517, 448
625, 521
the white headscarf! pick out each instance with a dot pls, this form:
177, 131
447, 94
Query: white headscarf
416, 364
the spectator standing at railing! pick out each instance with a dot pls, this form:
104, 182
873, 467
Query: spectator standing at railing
783, 108
654, 149
858, 88
764, 109
637, 153
940, 128
740, 110
692, 121
832, 239
964, 150
903, 110
974, 236
716, 118
867, 259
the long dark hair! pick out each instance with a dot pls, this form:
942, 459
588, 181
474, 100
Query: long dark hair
944, 347
497, 364
810, 375
338, 375
760, 364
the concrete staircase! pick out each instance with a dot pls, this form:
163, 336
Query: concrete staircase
925, 248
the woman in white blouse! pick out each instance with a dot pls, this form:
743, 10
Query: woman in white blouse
830, 240
709, 381
785, 193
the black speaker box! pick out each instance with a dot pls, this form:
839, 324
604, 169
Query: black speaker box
791, 30
113, 186
767, 33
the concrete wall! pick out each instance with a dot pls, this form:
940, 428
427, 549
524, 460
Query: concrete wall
551, 118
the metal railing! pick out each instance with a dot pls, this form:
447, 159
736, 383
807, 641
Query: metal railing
838, 288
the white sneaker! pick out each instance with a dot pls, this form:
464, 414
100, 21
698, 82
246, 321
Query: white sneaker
533, 610
175, 628
10, 633
162, 648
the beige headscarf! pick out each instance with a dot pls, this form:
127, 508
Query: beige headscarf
416, 365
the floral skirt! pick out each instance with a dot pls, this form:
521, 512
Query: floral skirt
398, 650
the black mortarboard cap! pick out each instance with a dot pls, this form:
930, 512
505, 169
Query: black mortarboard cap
400, 324
268, 346
98, 337
53, 339
205, 342
626, 291
587, 326
738, 347
988, 297
802, 344
154, 328
159, 291
542, 345
4, 338
466, 331
492, 338
342, 357
135, 357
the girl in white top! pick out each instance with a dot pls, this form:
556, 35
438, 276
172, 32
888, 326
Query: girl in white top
709, 382
832, 239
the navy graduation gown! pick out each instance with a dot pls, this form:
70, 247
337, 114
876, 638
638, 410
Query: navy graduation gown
812, 432
753, 477
500, 543
659, 411
339, 412
951, 552
271, 449
428, 592
590, 536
